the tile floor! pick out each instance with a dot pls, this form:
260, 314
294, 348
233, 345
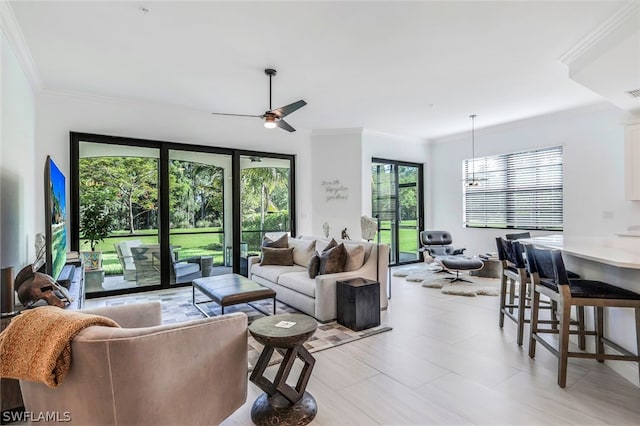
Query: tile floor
447, 362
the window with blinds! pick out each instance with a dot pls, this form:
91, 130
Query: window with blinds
521, 190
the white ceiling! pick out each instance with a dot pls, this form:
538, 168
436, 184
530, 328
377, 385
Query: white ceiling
413, 69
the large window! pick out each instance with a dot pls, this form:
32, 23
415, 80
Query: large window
176, 212
521, 190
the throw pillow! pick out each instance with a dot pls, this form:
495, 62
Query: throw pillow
324, 246
302, 250
277, 256
333, 259
355, 257
314, 265
282, 242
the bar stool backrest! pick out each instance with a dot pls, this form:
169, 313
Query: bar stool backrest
541, 264
518, 236
561, 277
511, 251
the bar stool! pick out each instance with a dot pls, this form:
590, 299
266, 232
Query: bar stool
550, 278
511, 257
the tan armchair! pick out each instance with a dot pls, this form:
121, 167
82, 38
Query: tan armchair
144, 373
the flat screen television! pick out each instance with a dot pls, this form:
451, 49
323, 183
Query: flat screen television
55, 213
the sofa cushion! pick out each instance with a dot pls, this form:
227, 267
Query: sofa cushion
299, 282
355, 257
333, 259
272, 272
325, 245
302, 250
314, 265
282, 242
277, 256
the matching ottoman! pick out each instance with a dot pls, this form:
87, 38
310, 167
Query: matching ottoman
460, 263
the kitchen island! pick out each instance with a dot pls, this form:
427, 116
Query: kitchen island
614, 260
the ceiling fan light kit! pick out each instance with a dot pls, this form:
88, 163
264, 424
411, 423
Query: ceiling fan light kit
273, 117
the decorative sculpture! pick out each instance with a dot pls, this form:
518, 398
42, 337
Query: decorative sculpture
33, 286
325, 229
344, 235
369, 226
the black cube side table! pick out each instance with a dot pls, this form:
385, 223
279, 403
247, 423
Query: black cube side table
358, 303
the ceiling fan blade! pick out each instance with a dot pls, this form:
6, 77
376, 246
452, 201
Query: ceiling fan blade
288, 109
236, 115
285, 126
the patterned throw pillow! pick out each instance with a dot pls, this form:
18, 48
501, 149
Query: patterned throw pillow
282, 242
314, 266
277, 256
333, 260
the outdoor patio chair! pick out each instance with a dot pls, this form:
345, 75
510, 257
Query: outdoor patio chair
125, 257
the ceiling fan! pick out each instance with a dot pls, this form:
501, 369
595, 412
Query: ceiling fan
273, 117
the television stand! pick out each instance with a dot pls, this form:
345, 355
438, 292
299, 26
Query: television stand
66, 275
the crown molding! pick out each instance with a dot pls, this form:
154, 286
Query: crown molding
334, 132
601, 32
11, 28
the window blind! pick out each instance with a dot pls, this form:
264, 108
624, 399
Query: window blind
520, 190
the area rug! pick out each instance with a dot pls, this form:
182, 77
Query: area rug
177, 307
428, 276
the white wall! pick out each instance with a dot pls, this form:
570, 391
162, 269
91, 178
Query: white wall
60, 113
336, 181
344, 155
19, 175
593, 147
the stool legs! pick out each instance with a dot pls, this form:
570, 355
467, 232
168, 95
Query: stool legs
535, 308
599, 320
503, 298
522, 302
563, 343
582, 344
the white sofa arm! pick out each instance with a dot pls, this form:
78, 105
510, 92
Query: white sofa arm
326, 284
251, 260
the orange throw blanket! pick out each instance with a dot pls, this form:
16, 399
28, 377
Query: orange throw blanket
36, 345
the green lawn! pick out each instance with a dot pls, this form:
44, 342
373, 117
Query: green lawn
408, 237
191, 242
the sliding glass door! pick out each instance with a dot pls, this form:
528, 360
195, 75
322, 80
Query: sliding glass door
397, 200
200, 220
172, 213
266, 195
119, 187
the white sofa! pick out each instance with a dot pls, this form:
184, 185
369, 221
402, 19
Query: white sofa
317, 296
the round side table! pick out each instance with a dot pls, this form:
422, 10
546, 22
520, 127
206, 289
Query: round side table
281, 403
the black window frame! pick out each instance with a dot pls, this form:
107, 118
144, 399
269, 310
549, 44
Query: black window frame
164, 147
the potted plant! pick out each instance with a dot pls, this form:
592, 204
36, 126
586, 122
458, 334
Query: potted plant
95, 225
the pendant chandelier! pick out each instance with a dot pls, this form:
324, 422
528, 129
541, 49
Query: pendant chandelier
473, 181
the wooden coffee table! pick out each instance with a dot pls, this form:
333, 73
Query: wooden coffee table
282, 404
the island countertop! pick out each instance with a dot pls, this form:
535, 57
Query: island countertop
623, 252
